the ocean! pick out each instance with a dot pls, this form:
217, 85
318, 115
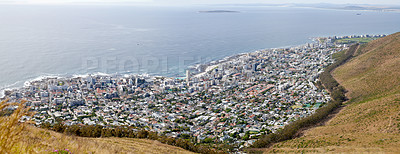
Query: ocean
66, 40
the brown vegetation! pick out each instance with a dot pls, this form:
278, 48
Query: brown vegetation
17, 137
45, 141
10, 127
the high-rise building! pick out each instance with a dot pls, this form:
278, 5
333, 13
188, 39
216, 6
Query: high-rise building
254, 67
187, 77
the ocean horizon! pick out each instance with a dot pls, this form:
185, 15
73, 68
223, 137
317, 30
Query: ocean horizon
65, 41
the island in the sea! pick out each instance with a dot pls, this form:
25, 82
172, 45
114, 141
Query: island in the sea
219, 11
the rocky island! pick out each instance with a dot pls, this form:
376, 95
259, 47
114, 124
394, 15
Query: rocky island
219, 11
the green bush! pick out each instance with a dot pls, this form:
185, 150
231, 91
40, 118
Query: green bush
125, 131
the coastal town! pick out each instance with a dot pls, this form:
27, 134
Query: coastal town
232, 101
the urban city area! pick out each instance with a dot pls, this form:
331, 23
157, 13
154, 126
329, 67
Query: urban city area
231, 101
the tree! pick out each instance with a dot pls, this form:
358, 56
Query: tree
208, 140
142, 134
185, 136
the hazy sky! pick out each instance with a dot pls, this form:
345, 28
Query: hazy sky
190, 2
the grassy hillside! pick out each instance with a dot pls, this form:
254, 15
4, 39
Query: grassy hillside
38, 140
16, 137
371, 120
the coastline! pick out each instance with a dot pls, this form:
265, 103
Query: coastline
194, 68
197, 70
214, 63
204, 68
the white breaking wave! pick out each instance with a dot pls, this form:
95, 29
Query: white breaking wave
8, 87
28, 82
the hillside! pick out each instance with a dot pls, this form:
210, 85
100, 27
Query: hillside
37, 140
16, 137
370, 122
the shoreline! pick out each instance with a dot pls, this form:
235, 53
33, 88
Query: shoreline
198, 69
216, 62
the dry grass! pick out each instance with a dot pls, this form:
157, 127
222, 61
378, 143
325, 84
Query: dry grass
375, 71
16, 137
42, 141
370, 123
10, 128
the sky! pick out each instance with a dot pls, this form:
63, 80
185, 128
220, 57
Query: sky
196, 2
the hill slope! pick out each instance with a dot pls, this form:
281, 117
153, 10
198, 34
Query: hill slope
17, 137
371, 120
37, 140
